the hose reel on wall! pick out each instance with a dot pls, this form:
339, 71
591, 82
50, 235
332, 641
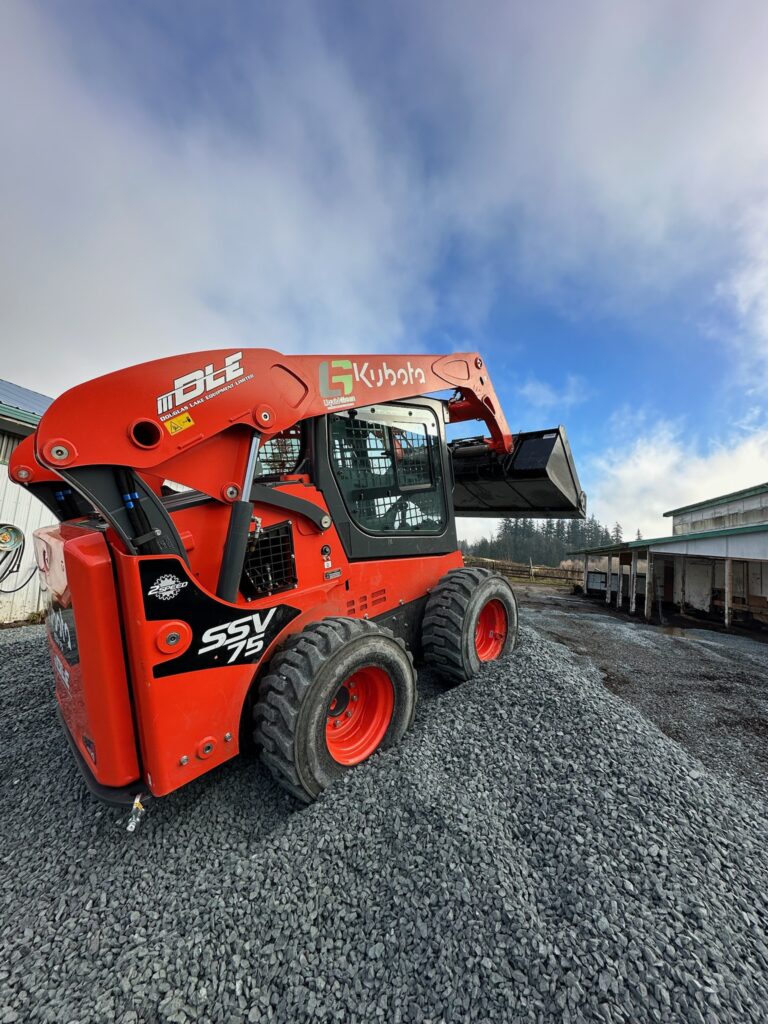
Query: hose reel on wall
12, 546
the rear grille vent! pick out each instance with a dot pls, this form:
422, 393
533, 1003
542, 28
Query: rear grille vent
270, 564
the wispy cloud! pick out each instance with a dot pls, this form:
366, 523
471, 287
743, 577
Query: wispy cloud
310, 193
125, 238
544, 396
664, 468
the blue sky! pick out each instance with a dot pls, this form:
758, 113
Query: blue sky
578, 191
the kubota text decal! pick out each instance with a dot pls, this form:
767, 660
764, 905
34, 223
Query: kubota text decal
338, 377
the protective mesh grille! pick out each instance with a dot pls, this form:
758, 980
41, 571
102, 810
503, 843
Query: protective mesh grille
412, 458
362, 454
281, 454
270, 566
386, 474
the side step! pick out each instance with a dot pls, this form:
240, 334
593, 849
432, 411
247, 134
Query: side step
537, 480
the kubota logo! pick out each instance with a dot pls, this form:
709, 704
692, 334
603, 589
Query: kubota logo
330, 383
193, 385
338, 377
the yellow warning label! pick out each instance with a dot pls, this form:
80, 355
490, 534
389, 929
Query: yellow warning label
179, 423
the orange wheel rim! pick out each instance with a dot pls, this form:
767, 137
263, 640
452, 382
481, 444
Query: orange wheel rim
491, 631
359, 715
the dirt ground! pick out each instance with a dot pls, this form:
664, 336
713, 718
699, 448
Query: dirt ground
705, 689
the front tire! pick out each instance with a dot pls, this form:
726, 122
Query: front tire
341, 690
470, 619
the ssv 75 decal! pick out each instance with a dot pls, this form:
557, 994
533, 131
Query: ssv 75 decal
243, 636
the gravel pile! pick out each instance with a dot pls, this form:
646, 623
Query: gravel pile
704, 689
534, 851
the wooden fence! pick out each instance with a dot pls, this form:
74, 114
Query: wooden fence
543, 574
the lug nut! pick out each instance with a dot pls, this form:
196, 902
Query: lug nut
348, 714
336, 723
355, 697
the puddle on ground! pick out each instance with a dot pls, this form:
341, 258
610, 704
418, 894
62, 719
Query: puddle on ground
672, 630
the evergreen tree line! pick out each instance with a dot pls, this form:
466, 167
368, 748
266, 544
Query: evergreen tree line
543, 542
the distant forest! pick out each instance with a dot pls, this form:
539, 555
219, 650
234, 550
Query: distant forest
543, 542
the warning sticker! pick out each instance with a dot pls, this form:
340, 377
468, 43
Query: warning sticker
179, 423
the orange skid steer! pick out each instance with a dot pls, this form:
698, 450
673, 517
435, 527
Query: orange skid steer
253, 548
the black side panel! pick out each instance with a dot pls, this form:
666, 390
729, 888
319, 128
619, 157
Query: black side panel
405, 622
222, 635
362, 546
538, 479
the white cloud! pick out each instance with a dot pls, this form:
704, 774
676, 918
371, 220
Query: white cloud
124, 239
544, 396
619, 151
663, 469
599, 155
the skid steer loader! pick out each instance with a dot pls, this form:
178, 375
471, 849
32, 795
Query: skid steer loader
253, 548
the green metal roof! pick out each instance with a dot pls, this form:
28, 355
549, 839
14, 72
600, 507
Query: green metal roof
612, 549
747, 492
731, 531
604, 549
19, 415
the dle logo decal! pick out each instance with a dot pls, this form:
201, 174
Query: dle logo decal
193, 385
242, 637
336, 387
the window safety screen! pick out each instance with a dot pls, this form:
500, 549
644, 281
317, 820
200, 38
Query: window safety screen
281, 454
387, 463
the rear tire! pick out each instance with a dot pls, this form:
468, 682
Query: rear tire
341, 690
470, 619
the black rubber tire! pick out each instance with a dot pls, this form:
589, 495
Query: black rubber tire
448, 630
293, 697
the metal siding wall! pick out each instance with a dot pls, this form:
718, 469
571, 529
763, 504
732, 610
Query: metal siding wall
698, 584
18, 507
7, 443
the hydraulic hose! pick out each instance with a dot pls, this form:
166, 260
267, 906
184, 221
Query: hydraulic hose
10, 562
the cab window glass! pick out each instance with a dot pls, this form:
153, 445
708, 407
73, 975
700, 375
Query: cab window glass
387, 463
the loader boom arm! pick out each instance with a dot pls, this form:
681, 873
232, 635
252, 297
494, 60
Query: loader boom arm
155, 417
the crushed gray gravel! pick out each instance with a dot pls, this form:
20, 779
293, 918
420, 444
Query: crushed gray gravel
534, 851
704, 689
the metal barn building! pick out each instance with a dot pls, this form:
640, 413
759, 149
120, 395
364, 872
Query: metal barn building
714, 564
20, 412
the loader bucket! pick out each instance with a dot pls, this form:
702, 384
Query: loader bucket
538, 479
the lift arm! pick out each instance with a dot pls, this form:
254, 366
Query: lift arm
177, 418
